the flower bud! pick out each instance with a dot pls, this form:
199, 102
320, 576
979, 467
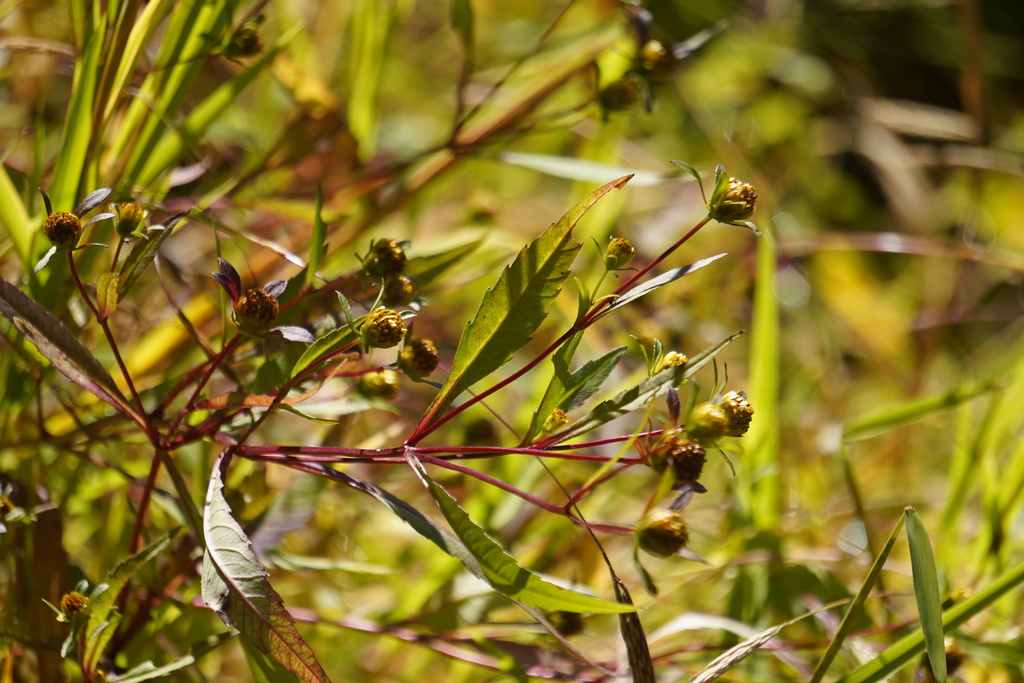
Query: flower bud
620, 95
654, 56
732, 202
739, 413
671, 359
382, 329
386, 257
685, 456
707, 422
618, 254
418, 358
127, 218
663, 533
63, 229
399, 290
382, 384
255, 311
73, 604
556, 420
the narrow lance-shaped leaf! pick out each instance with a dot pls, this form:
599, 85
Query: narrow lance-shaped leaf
639, 395
516, 305
560, 359
237, 587
106, 295
500, 569
143, 253
926, 591
59, 346
104, 617
655, 283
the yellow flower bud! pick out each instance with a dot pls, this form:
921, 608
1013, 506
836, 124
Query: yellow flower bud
399, 290
73, 604
707, 422
383, 384
127, 218
255, 311
386, 257
418, 358
663, 533
671, 359
382, 329
63, 229
732, 202
618, 254
556, 420
739, 413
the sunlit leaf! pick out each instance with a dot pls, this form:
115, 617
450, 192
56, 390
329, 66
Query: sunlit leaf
926, 592
516, 305
427, 269
238, 588
500, 569
654, 283
331, 342
59, 345
148, 671
143, 253
912, 411
584, 170
106, 295
104, 617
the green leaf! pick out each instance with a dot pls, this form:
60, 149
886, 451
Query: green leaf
59, 346
582, 169
926, 592
639, 395
106, 295
143, 253
318, 242
104, 617
15, 217
516, 305
586, 381
327, 344
426, 269
857, 605
462, 22
147, 671
692, 171
655, 283
903, 651
919, 409
500, 569
237, 587
560, 359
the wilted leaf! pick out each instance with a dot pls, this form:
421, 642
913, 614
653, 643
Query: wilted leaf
237, 587
500, 569
59, 346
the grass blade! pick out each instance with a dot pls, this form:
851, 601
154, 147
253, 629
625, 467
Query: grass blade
926, 591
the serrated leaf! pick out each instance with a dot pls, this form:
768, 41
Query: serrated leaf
926, 592
238, 588
59, 346
106, 295
586, 381
104, 618
660, 281
500, 569
143, 253
637, 396
516, 305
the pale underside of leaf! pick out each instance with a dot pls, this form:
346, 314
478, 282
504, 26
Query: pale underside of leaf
237, 587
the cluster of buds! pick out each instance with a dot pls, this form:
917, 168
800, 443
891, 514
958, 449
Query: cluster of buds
387, 260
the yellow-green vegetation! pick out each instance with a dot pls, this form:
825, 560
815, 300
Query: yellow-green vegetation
372, 340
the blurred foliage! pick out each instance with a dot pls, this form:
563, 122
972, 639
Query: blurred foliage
883, 304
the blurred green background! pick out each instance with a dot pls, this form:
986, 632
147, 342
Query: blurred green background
882, 306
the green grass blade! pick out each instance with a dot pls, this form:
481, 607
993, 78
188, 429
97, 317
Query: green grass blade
903, 651
15, 218
857, 605
912, 411
926, 591
759, 487
318, 242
